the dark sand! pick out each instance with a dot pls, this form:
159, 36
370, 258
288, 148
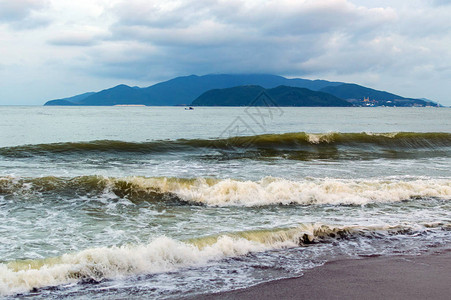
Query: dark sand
400, 277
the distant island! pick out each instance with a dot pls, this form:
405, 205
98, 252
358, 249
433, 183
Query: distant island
241, 90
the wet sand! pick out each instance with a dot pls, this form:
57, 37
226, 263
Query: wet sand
400, 277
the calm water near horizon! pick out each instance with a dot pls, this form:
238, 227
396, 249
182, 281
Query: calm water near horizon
163, 202
21, 125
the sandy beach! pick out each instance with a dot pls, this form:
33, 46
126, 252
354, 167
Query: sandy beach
398, 277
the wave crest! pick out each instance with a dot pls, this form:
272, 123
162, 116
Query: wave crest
231, 192
283, 143
165, 254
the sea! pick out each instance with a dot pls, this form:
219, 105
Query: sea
164, 202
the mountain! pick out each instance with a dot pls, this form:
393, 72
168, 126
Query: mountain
355, 91
357, 94
291, 96
70, 100
121, 94
253, 95
235, 96
183, 90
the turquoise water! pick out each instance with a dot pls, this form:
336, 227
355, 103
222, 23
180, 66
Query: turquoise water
122, 202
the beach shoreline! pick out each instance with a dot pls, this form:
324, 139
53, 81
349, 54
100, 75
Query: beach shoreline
426, 276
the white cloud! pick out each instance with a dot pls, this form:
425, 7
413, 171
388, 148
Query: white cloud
83, 37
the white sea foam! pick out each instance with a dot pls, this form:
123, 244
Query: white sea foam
165, 254
320, 137
269, 190
161, 255
388, 134
231, 192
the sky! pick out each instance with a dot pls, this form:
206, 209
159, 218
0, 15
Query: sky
52, 49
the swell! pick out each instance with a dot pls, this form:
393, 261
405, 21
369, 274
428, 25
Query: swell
164, 254
231, 192
293, 145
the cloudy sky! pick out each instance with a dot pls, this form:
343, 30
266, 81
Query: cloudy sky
58, 48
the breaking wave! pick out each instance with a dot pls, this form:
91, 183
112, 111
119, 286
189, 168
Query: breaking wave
231, 192
165, 254
290, 145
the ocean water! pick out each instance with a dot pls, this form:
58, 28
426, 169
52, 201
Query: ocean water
162, 202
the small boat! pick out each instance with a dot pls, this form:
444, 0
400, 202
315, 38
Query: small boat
189, 108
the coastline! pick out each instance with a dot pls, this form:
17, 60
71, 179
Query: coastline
427, 276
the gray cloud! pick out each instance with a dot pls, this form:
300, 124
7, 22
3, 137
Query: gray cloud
20, 14
210, 20
332, 39
236, 36
19, 9
400, 46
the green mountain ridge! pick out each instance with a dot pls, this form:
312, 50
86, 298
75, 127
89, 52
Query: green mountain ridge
252, 95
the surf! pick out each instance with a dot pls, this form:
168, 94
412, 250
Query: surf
164, 254
233, 192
